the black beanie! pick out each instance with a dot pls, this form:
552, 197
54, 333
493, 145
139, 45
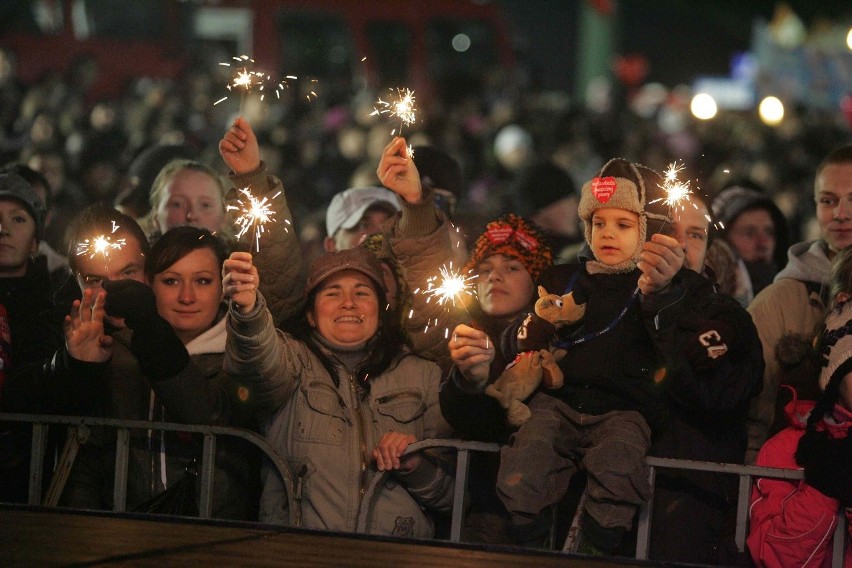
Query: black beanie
541, 185
439, 170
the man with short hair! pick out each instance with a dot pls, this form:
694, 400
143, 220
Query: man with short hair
796, 301
355, 214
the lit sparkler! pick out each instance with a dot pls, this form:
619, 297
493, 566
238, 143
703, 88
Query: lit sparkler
245, 79
400, 105
101, 245
676, 190
453, 286
254, 214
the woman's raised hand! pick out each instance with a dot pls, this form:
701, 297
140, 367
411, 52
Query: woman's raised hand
239, 147
397, 171
240, 281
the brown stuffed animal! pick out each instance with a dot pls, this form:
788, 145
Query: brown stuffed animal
536, 364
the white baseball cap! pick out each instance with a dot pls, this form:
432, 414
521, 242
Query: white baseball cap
347, 207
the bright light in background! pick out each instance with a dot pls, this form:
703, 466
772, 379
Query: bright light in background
849, 39
703, 106
461, 42
771, 111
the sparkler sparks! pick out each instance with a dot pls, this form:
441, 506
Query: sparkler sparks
101, 244
453, 286
400, 105
254, 214
247, 79
676, 190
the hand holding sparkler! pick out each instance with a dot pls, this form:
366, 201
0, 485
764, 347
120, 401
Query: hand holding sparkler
472, 352
398, 172
661, 258
399, 105
662, 255
239, 147
240, 281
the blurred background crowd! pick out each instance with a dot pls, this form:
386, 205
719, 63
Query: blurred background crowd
90, 123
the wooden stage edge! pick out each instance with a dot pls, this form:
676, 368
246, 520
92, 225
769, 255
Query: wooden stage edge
38, 536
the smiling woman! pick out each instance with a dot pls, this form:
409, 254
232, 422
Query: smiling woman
342, 397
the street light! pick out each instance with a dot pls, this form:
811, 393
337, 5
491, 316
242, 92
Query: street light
771, 111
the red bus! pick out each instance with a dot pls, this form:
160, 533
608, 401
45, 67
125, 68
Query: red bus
420, 44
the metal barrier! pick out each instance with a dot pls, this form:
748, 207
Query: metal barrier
747, 474
122, 454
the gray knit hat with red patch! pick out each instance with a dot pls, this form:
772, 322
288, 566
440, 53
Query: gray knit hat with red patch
624, 185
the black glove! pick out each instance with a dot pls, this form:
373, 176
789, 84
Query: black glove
535, 333
708, 346
155, 344
827, 462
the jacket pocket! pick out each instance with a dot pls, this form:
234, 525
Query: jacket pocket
400, 412
321, 415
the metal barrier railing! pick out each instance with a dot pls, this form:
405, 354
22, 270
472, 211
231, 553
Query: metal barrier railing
122, 454
747, 474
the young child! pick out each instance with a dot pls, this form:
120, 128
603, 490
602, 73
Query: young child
602, 418
793, 522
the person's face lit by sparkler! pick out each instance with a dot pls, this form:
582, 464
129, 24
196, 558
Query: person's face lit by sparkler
124, 263
690, 227
504, 287
191, 198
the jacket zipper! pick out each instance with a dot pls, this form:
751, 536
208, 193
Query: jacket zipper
356, 406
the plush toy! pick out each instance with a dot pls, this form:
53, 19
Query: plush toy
536, 364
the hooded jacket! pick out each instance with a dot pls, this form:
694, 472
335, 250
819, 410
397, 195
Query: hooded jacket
794, 303
791, 523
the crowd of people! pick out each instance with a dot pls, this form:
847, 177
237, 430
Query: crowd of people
696, 332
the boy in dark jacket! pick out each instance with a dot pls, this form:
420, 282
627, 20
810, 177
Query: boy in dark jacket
603, 417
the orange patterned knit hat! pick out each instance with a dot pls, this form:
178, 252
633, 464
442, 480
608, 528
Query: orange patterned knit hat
514, 237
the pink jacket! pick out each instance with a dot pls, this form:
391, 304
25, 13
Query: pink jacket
791, 522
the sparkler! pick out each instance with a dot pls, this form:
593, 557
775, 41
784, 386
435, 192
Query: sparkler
101, 245
254, 215
448, 287
246, 79
400, 105
676, 190
453, 286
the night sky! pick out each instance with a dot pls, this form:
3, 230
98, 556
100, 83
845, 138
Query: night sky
681, 39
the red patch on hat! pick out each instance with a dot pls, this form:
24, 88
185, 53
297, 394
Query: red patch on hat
499, 233
603, 188
526, 240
